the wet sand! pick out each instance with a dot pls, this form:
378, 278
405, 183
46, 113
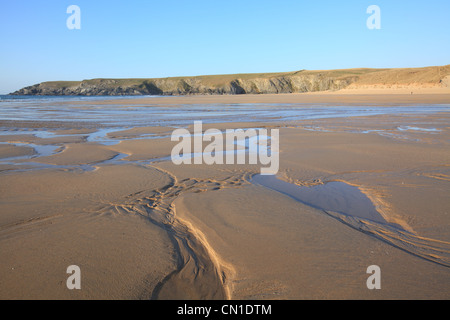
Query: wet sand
343, 97
141, 227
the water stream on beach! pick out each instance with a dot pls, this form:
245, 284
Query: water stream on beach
350, 206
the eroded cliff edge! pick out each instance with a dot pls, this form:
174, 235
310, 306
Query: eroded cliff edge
269, 83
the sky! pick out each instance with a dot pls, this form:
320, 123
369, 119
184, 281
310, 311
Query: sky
152, 39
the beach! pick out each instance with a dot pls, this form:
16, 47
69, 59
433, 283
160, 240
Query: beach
91, 183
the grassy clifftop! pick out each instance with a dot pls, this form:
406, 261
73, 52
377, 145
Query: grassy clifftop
255, 83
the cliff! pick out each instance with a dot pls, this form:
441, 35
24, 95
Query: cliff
289, 82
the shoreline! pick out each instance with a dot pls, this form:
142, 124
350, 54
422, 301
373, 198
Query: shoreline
352, 95
336, 98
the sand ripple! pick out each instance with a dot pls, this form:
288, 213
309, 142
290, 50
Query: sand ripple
429, 249
201, 273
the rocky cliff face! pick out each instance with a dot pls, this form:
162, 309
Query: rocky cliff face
288, 82
193, 85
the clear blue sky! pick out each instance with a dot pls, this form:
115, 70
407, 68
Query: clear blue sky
149, 38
